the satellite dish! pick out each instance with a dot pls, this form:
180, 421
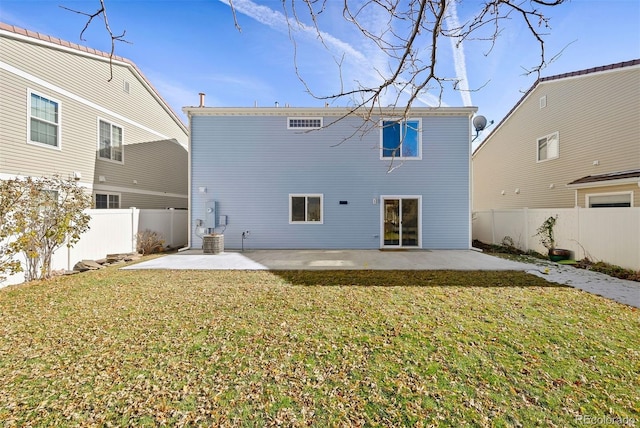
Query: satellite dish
479, 123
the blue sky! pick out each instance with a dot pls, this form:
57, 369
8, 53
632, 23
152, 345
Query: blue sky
190, 46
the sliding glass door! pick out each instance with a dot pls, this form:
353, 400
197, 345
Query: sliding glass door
401, 221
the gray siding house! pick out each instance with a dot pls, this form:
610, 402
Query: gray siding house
308, 178
65, 111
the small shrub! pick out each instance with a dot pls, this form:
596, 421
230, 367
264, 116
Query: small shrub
546, 234
149, 242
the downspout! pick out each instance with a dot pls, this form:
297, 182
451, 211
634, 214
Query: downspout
188, 187
202, 95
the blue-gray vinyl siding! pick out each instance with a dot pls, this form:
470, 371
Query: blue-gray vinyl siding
250, 165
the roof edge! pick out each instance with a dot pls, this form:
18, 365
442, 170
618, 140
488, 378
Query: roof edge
325, 111
539, 81
24, 34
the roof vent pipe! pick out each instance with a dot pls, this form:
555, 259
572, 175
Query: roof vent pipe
202, 94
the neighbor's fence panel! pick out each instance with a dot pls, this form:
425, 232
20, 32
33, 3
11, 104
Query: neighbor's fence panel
614, 236
171, 224
114, 231
607, 234
111, 231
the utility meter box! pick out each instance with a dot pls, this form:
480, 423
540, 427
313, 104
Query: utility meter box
210, 214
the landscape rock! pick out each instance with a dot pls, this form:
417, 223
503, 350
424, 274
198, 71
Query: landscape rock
122, 257
85, 265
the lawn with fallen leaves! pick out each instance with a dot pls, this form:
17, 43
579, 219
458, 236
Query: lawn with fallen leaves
319, 348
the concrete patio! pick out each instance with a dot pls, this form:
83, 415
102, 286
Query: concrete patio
331, 260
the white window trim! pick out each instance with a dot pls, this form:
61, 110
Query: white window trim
95, 194
59, 136
588, 196
538, 160
306, 195
381, 203
304, 118
400, 120
100, 119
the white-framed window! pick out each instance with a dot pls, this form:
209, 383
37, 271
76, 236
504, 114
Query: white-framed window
110, 141
304, 122
107, 200
43, 125
306, 208
401, 139
609, 200
548, 147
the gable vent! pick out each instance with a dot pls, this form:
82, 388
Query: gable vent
304, 123
125, 86
543, 101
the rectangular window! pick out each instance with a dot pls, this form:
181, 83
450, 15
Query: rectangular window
610, 200
305, 209
401, 139
304, 123
107, 201
548, 147
44, 120
110, 141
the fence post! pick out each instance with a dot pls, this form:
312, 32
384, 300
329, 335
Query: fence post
525, 214
493, 226
171, 220
134, 229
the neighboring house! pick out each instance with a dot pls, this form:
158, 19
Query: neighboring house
572, 140
63, 113
296, 178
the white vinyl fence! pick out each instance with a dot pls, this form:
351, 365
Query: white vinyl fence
114, 231
611, 235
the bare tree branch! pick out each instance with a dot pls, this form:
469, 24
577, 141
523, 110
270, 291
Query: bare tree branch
101, 13
409, 35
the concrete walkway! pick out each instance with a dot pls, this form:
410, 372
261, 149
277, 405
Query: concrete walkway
627, 292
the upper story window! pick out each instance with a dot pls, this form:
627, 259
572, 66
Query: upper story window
548, 147
109, 141
305, 209
44, 120
401, 139
304, 123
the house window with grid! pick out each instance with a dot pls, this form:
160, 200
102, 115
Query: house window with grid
110, 141
44, 120
107, 201
401, 139
305, 209
304, 123
548, 147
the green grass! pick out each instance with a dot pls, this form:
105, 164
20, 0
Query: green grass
321, 348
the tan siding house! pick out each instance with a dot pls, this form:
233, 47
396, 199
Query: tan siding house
565, 128
66, 111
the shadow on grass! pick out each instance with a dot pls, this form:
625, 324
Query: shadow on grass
403, 278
